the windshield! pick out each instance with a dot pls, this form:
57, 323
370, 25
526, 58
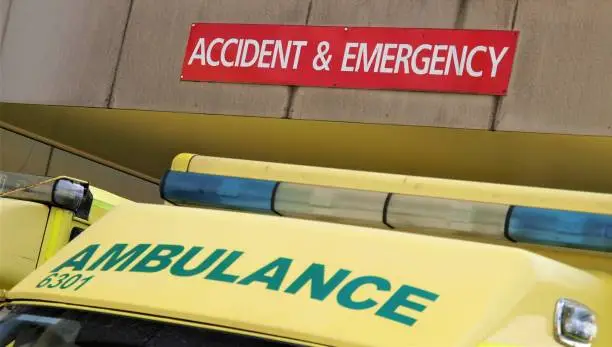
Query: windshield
22, 326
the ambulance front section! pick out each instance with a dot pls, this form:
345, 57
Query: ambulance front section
156, 275
39, 215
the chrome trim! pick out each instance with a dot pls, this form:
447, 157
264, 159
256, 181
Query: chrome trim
558, 322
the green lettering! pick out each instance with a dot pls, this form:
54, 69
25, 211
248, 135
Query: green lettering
114, 257
400, 299
217, 274
345, 295
315, 274
161, 254
280, 267
178, 269
79, 260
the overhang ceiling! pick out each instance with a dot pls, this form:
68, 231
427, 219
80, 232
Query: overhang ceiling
147, 141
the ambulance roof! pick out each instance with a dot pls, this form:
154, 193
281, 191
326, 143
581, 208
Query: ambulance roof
306, 280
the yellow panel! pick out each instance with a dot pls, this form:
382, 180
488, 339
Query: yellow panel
103, 202
488, 285
181, 162
80, 223
57, 233
22, 226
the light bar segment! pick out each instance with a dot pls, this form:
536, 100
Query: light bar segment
560, 228
194, 189
348, 206
407, 212
444, 217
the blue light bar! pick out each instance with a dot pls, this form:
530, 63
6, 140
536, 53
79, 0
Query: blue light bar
571, 229
560, 228
194, 189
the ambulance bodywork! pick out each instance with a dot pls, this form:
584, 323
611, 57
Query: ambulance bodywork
312, 281
315, 256
33, 227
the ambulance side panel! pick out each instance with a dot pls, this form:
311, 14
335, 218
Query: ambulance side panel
22, 227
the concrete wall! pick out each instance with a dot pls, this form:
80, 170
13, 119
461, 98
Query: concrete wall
4, 10
21, 154
128, 54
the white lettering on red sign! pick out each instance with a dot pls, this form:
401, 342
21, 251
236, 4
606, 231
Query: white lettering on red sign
406, 57
426, 59
266, 54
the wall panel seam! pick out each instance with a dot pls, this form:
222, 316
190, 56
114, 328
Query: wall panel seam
293, 89
461, 13
5, 26
499, 100
111, 92
51, 150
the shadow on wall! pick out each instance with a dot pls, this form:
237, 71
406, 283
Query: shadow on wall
22, 154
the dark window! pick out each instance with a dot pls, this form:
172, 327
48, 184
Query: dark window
53, 327
76, 231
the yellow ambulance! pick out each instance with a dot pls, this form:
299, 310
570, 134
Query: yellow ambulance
40, 215
249, 253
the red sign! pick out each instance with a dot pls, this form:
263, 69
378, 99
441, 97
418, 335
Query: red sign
441, 60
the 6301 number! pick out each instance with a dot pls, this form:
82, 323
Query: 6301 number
64, 281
